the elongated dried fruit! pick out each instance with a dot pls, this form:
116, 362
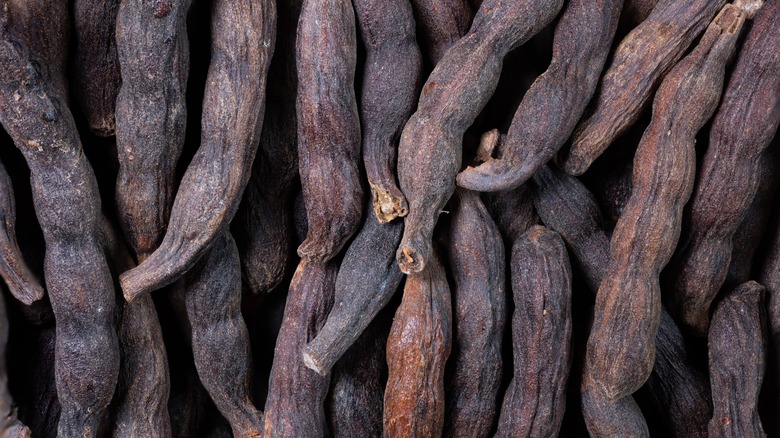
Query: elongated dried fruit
233, 107
639, 64
96, 64
610, 418
730, 172
220, 340
24, 286
541, 331
151, 115
391, 79
367, 279
737, 345
476, 255
67, 205
429, 155
417, 349
443, 23
555, 102
328, 126
296, 394
621, 347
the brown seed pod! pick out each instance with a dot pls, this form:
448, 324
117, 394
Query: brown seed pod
24, 286
737, 345
742, 129
640, 62
296, 394
233, 106
443, 23
555, 102
476, 255
417, 349
610, 418
328, 126
430, 150
33, 112
96, 64
541, 331
621, 347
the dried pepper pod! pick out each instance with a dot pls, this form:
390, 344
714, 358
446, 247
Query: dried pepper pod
621, 347
541, 331
328, 126
354, 405
476, 255
96, 64
419, 344
737, 344
10, 426
640, 62
24, 286
555, 102
443, 22
220, 340
296, 394
233, 107
682, 392
263, 224
742, 129
367, 280
430, 150
391, 79
33, 112
151, 115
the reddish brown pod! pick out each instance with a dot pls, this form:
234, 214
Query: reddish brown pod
429, 155
477, 263
296, 394
610, 418
640, 62
555, 102
621, 346
24, 286
391, 79
96, 64
65, 195
737, 345
743, 128
328, 126
417, 350
443, 23
233, 107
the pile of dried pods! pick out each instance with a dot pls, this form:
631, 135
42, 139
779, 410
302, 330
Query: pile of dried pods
398, 218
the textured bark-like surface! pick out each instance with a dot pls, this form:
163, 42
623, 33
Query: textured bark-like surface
743, 127
621, 346
354, 405
96, 64
45, 27
473, 380
681, 391
443, 23
513, 212
264, 221
555, 102
328, 126
220, 340
10, 426
33, 111
737, 344
640, 62
296, 394
233, 107
429, 155
419, 344
151, 115
23, 284
367, 280
391, 79
541, 332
